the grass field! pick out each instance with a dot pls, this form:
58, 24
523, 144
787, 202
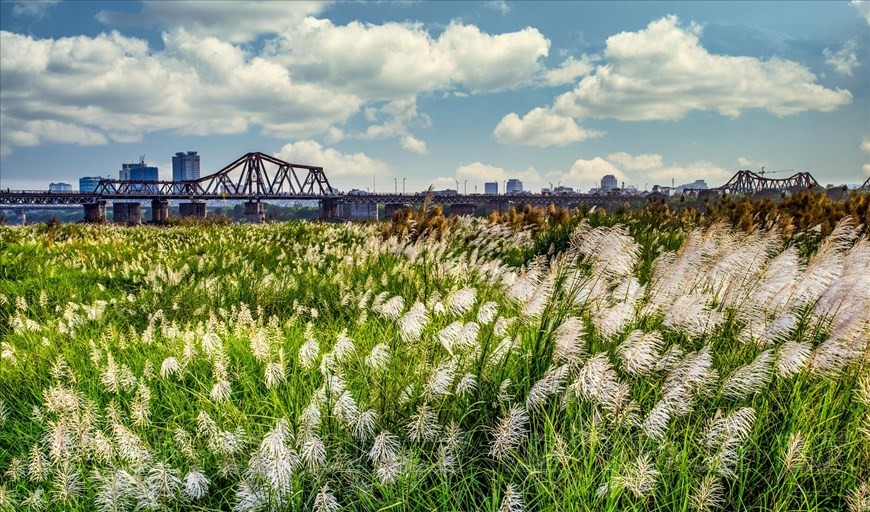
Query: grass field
307, 366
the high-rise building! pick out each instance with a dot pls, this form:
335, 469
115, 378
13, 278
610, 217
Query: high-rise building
514, 186
490, 188
59, 187
185, 166
89, 183
609, 183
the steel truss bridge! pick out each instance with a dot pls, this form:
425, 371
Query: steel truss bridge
747, 182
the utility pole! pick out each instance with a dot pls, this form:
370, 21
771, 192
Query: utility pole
395, 185
465, 186
457, 186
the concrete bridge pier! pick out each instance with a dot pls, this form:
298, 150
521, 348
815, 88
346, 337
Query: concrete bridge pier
499, 205
254, 212
329, 207
127, 213
159, 211
197, 210
95, 212
460, 209
390, 209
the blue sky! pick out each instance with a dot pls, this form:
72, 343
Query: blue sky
439, 92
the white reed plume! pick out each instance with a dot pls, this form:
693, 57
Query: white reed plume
163, 481
423, 426
609, 250
344, 348
385, 447
221, 390
690, 314
569, 345
639, 352
504, 394
140, 410
195, 484
792, 357
441, 380
512, 501
487, 313
114, 490
510, 431
260, 345
859, 499
449, 336
17, 469
536, 304
275, 460
116, 377
694, 373
834, 355
211, 344
128, 445
325, 501
466, 385
655, 424
169, 367
640, 477
364, 426
793, 457
379, 357
708, 495
312, 452
387, 471
392, 308
67, 483
250, 497
467, 338
309, 353
597, 382
461, 301
35, 501
552, 383
737, 425
750, 379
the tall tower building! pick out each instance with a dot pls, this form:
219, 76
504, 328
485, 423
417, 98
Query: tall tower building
185, 166
608, 183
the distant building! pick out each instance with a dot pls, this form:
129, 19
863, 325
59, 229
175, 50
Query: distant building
695, 185
562, 190
608, 183
59, 187
445, 192
185, 166
490, 188
514, 186
138, 171
89, 183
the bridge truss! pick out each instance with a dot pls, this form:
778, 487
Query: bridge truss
252, 176
747, 182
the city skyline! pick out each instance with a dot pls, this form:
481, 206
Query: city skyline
439, 92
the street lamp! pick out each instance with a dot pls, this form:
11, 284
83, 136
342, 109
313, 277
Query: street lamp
504, 187
465, 187
403, 186
457, 186
395, 185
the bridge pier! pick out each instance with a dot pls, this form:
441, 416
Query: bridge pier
364, 211
329, 208
127, 213
197, 210
159, 211
95, 212
461, 209
390, 209
254, 212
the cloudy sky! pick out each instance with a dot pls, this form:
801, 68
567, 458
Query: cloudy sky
436, 92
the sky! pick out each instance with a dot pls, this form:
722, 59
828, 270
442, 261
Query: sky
440, 93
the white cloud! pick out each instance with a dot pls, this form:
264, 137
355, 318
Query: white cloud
863, 7
662, 73
569, 70
309, 80
498, 5
233, 21
411, 143
865, 144
635, 163
866, 168
584, 172
844, 60
334, 163
480, 172
541, 127
32, 8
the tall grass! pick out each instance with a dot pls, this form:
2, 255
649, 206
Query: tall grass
322, 367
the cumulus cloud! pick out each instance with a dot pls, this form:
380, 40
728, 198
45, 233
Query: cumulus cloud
478, 171
663, 72
233, 21
569, 70
863, 7
636, 163
308, 81
334, 162
413, 144
498, 5
865, 144
541, 127
844, 60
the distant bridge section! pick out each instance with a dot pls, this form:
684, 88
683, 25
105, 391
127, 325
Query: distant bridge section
747, 182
